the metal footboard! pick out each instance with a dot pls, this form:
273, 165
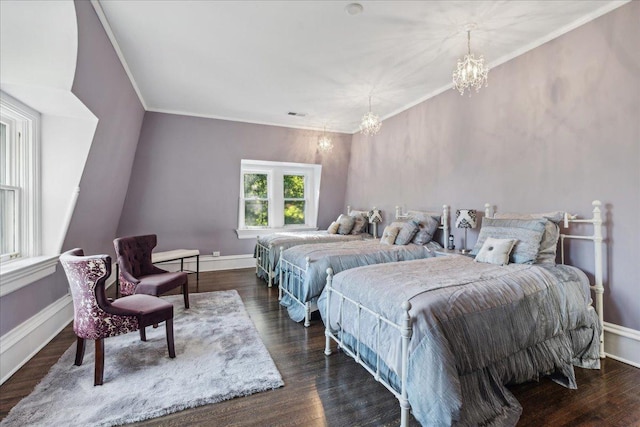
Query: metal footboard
291, 281
263, 262
403, 329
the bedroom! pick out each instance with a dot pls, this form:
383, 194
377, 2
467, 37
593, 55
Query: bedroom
573, 137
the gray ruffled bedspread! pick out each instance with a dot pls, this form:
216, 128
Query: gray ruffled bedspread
286, 240
476, 327
339, 256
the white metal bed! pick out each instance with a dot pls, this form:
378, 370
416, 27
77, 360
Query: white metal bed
404, 328
266, 259
292, 276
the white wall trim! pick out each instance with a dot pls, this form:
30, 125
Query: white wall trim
22, 272
21, 343
622, 344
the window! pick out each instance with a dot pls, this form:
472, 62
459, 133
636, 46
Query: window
277, 196
19, 180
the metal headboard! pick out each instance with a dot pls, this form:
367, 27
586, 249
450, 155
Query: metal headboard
444, 221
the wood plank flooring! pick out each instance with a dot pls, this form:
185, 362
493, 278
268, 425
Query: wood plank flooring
335, 391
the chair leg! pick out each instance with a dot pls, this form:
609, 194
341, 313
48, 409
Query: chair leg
143, 334
99, 373
79, 351
185, 292
169, 327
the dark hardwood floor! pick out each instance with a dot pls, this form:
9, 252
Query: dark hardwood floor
335, 391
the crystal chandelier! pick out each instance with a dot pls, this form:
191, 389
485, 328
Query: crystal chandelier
324, 143
470, 72
371, 124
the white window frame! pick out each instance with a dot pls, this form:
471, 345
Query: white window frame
275, 172
26, 264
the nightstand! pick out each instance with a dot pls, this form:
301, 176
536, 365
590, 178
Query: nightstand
447, 252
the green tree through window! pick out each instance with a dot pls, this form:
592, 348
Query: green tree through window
256, 205
294, 202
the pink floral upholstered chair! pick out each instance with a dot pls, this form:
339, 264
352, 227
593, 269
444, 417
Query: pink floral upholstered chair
138, 275
96, 318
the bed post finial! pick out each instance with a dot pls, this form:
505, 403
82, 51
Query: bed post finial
348, 209
307, 262
487, 210
445, 225
398, 212
327, 333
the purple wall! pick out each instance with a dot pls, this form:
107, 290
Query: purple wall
103, 86
556, 128
185, 181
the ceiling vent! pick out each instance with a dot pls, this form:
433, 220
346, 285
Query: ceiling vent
292, 113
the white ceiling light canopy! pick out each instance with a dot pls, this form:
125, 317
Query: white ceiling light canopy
371, 123
470, 72
354, 8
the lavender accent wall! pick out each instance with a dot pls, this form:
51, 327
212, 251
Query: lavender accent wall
185, 183
556, 128
103, 86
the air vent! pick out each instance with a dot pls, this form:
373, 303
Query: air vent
292, 113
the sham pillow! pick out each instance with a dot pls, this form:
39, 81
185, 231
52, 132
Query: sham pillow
346, 224
360, 223
495, 251
528, 234
406, 233
549, 242
389, 235
427, 227
333, 228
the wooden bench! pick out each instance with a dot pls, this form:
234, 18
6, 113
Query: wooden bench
160, 257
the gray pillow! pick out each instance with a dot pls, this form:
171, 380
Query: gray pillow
346, 224
528, 234
549, 242
426, 229
406, 233
360, 223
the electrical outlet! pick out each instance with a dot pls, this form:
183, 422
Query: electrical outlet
216, 253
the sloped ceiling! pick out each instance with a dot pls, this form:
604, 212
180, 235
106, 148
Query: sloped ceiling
255, 61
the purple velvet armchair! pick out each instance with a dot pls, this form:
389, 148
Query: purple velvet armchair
96, 318
138, 275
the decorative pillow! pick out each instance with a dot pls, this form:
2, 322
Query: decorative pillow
333, 228
528, 234
346, 224
549, 243
427, 227
389, 235
360, 223
495, 251
406, 233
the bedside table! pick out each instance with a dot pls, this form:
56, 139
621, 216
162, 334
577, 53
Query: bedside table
447, 252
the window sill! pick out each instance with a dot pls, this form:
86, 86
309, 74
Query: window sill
21, 272
254, 233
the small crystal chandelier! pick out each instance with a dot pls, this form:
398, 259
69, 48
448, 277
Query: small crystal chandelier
324, 143
371, 124
470, 72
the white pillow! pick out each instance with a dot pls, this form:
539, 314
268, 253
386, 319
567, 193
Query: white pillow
495, 251
389, 235
333, 228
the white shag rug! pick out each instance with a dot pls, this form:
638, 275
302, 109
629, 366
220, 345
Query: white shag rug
219, 355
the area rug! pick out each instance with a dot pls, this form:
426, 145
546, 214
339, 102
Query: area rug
219, 355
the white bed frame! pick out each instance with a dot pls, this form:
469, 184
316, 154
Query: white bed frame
263, 260
405, 328
296, 275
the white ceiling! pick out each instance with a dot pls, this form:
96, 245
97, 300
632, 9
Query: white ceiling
255, 61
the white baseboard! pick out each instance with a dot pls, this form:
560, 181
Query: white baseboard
622, 344
21, 343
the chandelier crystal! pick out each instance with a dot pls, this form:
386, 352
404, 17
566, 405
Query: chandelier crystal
324, 143
371, 123
470, 72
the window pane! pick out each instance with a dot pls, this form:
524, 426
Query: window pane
7, 221
4, 155
294, 212
294, 187
255, 185
256, 213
